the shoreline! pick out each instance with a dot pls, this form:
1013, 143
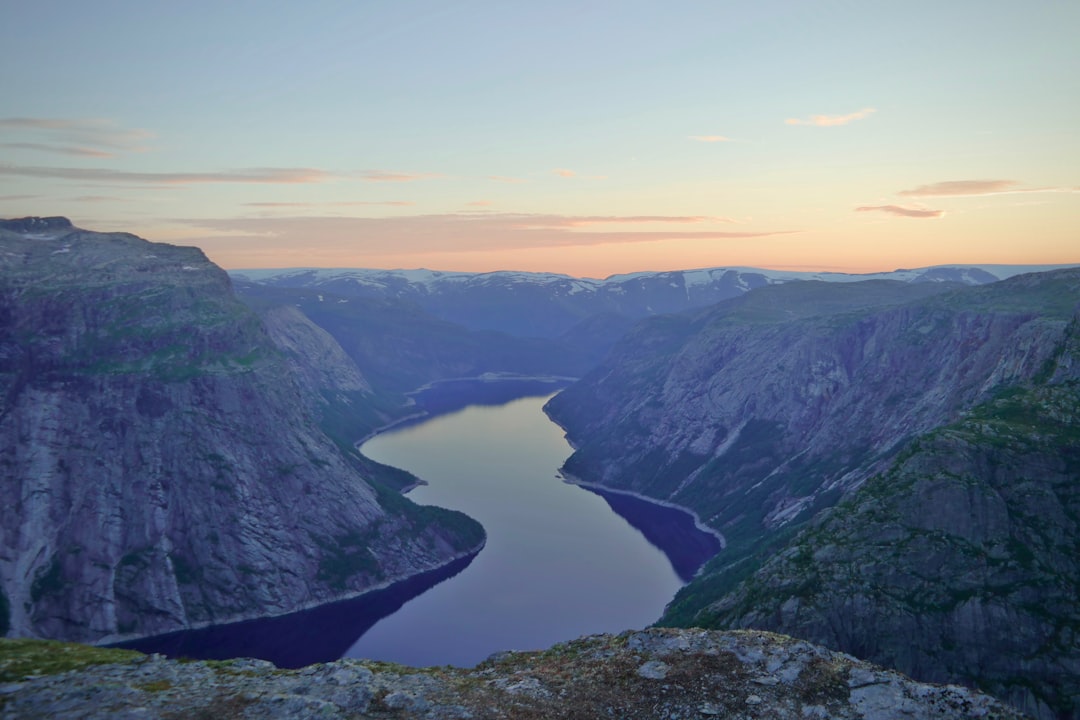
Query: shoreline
484, 378
574, 480
570, 479
115, 639
111, 640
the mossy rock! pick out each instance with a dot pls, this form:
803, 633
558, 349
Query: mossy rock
22, 657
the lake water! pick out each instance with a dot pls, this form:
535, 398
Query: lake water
561, 561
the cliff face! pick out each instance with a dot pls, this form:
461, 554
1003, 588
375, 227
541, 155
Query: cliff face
400, 346
637, 675
760, 410
163, 465
959, 564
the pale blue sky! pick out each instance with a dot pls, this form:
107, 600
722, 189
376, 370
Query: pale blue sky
588, 138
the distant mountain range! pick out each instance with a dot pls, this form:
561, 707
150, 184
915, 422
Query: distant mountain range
548, 305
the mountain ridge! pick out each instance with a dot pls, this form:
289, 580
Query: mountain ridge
550, 304
762, 412
164, 461
973, 529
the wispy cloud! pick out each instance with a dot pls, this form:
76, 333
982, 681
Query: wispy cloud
18, 198
346, 203
570, 221
98, 199
455, 232
480, 203
902, 211
710, 138
88, 137
832, 120
971, 188
960, 188
394, 176
505, 179
565, 173
275, 176
69, 150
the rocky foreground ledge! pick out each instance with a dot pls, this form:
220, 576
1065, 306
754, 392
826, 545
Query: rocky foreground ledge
657, 673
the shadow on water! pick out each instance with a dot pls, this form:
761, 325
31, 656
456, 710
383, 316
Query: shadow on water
671, 530
321, 634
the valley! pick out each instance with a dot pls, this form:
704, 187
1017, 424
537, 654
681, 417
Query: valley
181, 446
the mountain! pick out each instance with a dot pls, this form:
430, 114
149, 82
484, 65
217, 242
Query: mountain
163, 462
633, 676
960, 563
549, 305
766, 410
395, 347
753, 410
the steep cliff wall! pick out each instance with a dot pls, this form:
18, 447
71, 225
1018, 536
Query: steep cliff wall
163, 466
760, 409
957, 564
961, 563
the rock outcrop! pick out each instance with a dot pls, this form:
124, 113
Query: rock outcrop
763, 410
961, 563
161, 464
639, 675
762, 413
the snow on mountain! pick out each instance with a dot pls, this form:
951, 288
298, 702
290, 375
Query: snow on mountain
549, 304
968, 274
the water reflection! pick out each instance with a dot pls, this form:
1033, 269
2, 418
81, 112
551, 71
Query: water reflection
312, 636
558, 562
670, 529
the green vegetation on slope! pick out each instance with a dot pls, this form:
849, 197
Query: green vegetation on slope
20, 657
960, 563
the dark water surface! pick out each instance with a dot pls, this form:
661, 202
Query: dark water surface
561, 561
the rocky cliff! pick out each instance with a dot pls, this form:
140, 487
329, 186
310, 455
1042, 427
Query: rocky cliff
961, 563
399, 347
161, 463
762, 412
638, 675
762, 408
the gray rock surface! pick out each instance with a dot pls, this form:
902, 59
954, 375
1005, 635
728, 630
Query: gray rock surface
761, 411
161, 462
638, 675
959, 564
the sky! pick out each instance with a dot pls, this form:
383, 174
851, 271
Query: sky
587, 138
